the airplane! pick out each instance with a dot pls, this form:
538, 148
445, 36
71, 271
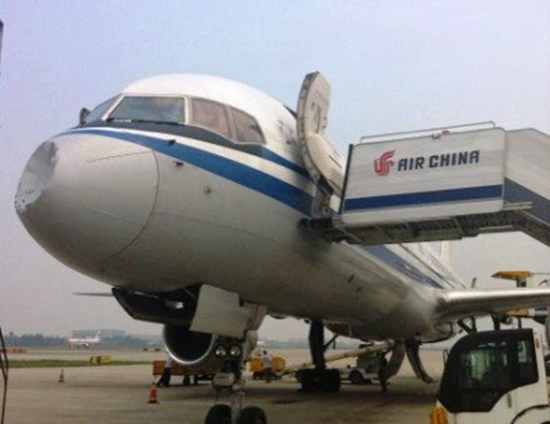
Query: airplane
85, 342
187, 194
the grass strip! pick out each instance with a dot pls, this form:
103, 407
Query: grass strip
66, 363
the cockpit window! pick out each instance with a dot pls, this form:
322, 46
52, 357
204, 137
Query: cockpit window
169, 110
100, 110
246, 127
210, 115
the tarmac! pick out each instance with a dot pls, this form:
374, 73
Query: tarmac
119, 394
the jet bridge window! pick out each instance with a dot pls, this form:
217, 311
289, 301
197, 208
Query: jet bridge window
210, 115
246, 127
169, 110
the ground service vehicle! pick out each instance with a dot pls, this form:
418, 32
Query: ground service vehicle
204, 373
494, 377
365, 369
278, 366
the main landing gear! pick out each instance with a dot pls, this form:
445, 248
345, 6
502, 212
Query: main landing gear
230, 381
319, 379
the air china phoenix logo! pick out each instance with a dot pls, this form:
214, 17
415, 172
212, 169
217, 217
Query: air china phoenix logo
383, 164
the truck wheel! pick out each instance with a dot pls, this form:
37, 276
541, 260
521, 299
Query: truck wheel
356, 378
252, 415
219, 414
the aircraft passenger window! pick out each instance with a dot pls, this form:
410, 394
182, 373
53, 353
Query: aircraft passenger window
100, 110
150, 109
210, 115
246, 127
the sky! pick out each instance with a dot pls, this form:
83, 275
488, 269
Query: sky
393, 66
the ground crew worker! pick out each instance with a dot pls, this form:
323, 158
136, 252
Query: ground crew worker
266, 365
166, 374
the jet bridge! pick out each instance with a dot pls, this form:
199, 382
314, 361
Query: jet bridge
443, 184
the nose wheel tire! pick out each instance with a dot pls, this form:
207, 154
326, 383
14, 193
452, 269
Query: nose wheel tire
219, 414
252, 415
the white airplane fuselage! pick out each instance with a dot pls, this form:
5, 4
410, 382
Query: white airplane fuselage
82, 343
155, 208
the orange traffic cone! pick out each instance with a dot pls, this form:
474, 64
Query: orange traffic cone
61, 377
153, 394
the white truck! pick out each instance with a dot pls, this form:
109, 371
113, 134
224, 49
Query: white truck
365, 370
494, 377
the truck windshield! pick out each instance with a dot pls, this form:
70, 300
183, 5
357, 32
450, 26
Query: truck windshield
163, 110
482, 367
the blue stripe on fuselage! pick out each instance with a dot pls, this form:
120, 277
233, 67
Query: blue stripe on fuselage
232, 170
258, 181
279, 160
204, 135
397, 262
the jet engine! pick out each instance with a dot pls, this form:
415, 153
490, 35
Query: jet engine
192, 335
191, 348
188, 347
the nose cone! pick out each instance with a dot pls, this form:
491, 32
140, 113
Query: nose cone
86, 197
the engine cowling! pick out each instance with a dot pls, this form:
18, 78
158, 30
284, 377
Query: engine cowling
180, 311
191, 348
188, 347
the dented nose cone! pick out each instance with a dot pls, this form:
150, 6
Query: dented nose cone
86, 197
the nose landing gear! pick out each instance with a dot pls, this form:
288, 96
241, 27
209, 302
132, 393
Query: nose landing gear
319, 379
230, 381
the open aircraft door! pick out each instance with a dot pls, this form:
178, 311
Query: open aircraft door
322, 161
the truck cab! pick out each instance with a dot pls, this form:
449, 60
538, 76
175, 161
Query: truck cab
494, 377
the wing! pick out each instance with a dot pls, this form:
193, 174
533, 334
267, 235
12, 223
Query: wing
94, 294
455, 305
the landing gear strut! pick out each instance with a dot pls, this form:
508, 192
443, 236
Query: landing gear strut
230, 381
412, 348
319, 379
